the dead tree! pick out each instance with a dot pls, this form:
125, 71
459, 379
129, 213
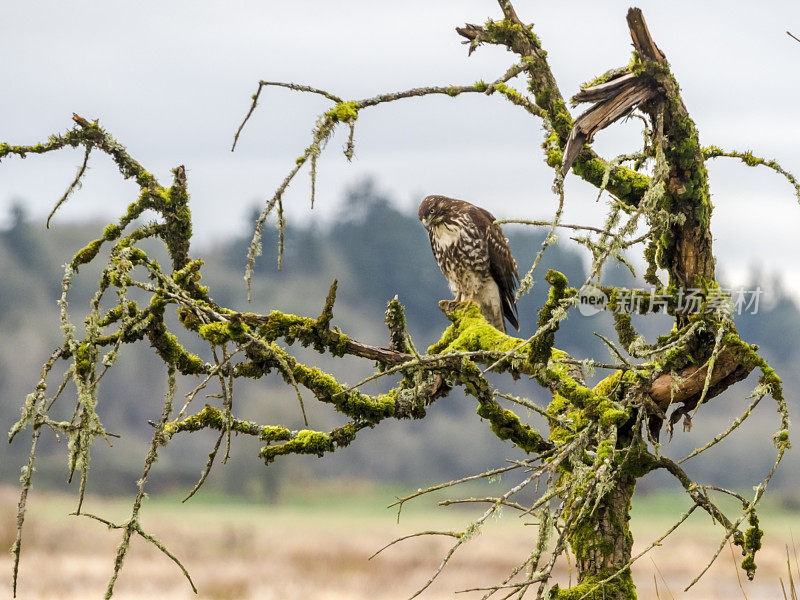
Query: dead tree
598, 440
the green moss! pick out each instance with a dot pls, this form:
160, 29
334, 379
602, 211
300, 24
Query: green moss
283, 325
651, 256
189, 274
558, 376
168, 347
752, 537
623, 325
251, 370
116, 313
85, 359
171, 204
560, 119
608, 411
553, 152
480, 86
221, 332
449, 336
684, 192
612, 414
542, 346
577, 405
208, 417
748, 356
637, 461
305, 442
751, 545
620, 588
508, 33
308, 331
352, 403
570, 419
395, 319
605, 450
87, 253
609, 385
137, 255
511, 93
342, 436
344, 112
506, 425
636, 65
749, 566
583, 539
471, 332
781, 437
624, 183
357, 405
214, 418
607, 76
112, 232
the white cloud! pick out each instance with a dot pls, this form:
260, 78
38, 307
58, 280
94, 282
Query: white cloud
171, 80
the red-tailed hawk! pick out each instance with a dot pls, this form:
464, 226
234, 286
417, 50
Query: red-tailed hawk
473, 255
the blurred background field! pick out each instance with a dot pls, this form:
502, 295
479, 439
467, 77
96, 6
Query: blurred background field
316, 543
304, 527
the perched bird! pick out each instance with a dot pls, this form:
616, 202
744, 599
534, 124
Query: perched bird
473, 255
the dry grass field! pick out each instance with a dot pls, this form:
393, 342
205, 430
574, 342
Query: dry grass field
319, 549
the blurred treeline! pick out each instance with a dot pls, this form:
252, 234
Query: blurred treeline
376, 252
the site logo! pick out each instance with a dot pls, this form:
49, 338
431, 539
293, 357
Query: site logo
591, 300
689, 301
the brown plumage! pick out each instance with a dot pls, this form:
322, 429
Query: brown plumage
473, 255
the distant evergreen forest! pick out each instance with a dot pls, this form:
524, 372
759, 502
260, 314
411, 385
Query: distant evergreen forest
376, 252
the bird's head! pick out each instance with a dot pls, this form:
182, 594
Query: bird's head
432, 210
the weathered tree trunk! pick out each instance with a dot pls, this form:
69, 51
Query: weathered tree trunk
602, 543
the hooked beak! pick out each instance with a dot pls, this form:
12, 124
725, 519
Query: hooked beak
429, 222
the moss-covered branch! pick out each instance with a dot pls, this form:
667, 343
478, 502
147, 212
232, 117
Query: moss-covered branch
624, 183
752, 160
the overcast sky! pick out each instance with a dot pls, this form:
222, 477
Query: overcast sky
172, 80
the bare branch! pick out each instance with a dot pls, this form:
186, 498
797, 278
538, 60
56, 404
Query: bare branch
454, 534
76, 183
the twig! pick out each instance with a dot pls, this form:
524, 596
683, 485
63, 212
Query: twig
663, 579
207, 469
454, 534
291, 86
498, 501
400, 501
471, 531
76, 183
526, 283
721, 436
